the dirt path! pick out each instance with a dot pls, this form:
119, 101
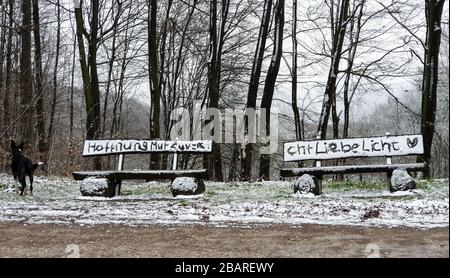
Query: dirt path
18, 240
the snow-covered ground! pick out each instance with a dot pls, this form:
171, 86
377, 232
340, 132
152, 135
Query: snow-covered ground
58, 200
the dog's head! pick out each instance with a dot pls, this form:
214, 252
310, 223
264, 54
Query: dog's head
16, 150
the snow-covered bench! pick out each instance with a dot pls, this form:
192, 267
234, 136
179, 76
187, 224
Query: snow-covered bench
114, 178
383, 146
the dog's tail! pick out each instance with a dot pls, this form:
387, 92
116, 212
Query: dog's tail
37, 165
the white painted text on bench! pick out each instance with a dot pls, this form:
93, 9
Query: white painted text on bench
104, 147
354, 147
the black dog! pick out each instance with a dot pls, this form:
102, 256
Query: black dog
22, 166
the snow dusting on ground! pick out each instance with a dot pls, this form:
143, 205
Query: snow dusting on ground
59, 201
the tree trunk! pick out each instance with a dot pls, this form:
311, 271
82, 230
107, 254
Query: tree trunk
252, 95
214, 161
72, 79
118, 97
3, 36
329, 100
89, 74
269, 86
26, 78
111, 64
433, 12
8, 85
93, 41
155, 93
162, 45
213, 94
297, 117
354, 41
40, 120
55, 74
233, 164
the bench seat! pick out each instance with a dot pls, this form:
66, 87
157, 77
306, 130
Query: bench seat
141, 174
351, 169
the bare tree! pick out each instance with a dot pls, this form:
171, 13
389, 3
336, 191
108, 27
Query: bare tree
51, 129
354, 34
433, 12
153, 79
40, 117
8, 83
329, 101
3, 31
26, 80
214, 74
112, 59
89, 70
269, 86
247, 161
294, 73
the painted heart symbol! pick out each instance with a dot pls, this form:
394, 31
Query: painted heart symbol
412, 143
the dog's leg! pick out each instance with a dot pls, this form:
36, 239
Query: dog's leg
16, 185
31, 184
24, 185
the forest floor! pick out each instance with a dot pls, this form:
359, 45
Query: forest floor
48, 240
263, 219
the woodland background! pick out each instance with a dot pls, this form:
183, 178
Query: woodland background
116, 69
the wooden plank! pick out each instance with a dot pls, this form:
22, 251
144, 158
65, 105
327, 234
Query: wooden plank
109, 147
329, 170
354, 147
141, 175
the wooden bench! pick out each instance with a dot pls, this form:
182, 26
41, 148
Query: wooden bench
123, 147
384, 146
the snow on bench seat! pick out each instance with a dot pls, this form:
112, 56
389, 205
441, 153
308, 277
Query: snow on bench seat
350, 169
140, 174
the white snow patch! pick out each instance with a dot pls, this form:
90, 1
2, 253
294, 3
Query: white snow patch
305, 195
184, 184
93, 185
58, 200
189, 196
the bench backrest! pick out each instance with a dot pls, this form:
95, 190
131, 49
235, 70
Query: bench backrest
386, 146
117, 147
122, 147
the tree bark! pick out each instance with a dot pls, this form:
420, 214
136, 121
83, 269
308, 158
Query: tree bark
55, 73
26, 78
40, 119
72, 79
433, 13
92, 58
329, 100
297, 117
354, 41
89, 74
252, 95
3, 36
8, 85
111, 65
269, 86
155, 93
214, 161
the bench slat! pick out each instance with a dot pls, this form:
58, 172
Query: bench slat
141, 175
400, 145
292, 172
118, 146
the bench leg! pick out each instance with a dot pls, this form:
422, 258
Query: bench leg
319, 185
389, 176
117, 187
